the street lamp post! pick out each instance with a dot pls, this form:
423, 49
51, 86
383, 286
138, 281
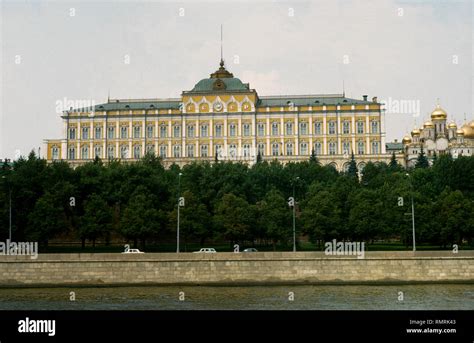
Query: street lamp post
179, 205
294, 215
412, 212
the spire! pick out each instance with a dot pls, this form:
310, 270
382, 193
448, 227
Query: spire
222, 50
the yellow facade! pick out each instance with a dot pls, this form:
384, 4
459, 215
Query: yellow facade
223, 118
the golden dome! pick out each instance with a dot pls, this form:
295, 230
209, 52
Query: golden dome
452, 125
468, 129
438, 113
460, 132
406, 140
428, 124
415, 131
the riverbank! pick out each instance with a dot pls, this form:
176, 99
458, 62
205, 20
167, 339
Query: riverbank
236, 268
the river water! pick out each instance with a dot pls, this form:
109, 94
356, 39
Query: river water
294, 297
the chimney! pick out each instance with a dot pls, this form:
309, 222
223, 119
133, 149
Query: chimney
365, 97
374, 99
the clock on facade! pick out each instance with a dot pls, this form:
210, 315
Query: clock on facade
218, 106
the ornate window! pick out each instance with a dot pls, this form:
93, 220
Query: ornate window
346, 127
163, 151
303, 128
332, 148
332, 127
360, 148
289, 128
261, 149
246, 129
190, 150
72, 133
136, 131
360, 127
85, 152
97, 151
346, 147
275, 129
124, 132
163, 131
177, 151
191, 131
55, 153
85, 133
218, 132
232, 130
303, 148
317, 128
111, 132
177, 131
375, 126
110, 152
289, 149
375, 147
98, 132
246, 150
204, 150
137, 150
72, 153
124, 151
150, 131
318, 148
275, 149
261, 130
204, 129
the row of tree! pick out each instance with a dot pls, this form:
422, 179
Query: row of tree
236, 203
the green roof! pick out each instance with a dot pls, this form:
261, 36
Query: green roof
135, 105
394, 146
231, 84
316, 100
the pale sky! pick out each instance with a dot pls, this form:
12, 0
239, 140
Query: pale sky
415, 51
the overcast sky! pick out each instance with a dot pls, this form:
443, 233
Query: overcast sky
397, 50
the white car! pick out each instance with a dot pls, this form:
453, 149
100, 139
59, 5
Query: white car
133, 251
207, 250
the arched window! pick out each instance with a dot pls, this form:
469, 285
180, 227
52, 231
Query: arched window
149, 131
72, 153
345, 127
110, 152
124, 132
98, 151
124, 151
204, 130
246, 129
289, 149
332, 127
177, 151
375, 126
303, 128
317, 128
85, 152
163, 131
275, 129
261, 149
360, 148
137, 151
375, 147
190, 150
232, 130
177, 131
261, 129
360, 127
85, 132
318, 148
204, 150
275, 149
289, 128
303, 149
55, 153
332, 148
163, 151
98, 132
111, 132
136, 131
72, 133
246, 148
191, 131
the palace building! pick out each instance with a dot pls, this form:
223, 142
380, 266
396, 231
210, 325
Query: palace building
436, 137
223, 118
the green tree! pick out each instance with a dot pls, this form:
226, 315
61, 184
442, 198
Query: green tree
313, 158
422, 160
275, 217
234, 218
96, 220
352, 171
